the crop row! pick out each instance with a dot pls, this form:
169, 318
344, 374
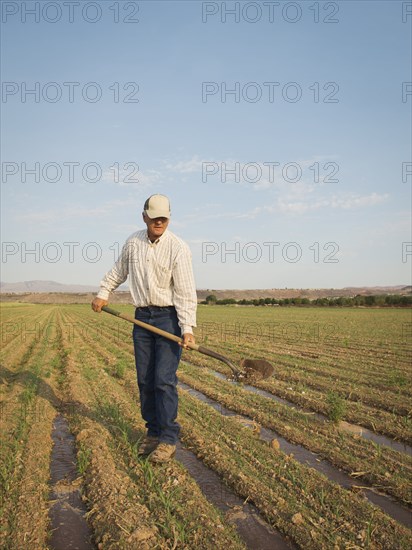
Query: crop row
315, 399
27, 417
132, 504
387, 469
291, 496
390, 469
109, 418
311, 398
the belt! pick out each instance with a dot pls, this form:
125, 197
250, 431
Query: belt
155, 308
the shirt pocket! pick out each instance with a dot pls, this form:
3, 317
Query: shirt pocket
163, 276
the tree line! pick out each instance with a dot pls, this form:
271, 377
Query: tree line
381, 300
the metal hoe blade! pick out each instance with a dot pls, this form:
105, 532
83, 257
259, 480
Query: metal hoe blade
256, 369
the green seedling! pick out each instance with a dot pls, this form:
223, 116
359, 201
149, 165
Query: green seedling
83, 458
336, 406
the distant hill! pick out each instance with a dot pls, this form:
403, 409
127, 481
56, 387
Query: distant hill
311, 293
47, 286
53, 292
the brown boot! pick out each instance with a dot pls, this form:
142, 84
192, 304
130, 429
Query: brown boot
163, 453
148, 445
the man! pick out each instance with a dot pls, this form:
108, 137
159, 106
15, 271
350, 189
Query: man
161, 282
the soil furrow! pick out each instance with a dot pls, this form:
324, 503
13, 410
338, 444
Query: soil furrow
106, 387
311, 399
387, 504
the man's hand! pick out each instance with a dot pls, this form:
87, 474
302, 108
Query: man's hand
98, 303
187, 339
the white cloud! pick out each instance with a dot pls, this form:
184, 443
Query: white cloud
57, 215
353, 201
186, 166
131, 176
260, 174
344, 202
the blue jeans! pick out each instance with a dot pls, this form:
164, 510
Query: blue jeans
157, 360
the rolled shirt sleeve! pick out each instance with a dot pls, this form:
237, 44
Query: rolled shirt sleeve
184, 290
117, 275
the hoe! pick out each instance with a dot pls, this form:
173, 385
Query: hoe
250, 369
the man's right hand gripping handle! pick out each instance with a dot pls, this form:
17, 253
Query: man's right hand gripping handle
98, 303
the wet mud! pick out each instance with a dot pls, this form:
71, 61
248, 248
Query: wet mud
347, 426
70, 530
376, 438
304, 456
254, 531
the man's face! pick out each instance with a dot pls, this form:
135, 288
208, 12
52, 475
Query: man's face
155, 226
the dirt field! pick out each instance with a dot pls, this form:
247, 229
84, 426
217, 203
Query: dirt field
320, 452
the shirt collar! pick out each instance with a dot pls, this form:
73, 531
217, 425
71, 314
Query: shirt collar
157, 241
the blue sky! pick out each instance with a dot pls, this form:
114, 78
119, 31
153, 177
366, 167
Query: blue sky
317, 133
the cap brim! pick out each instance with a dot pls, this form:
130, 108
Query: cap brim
157, 214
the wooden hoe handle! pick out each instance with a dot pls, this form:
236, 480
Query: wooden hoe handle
151, 328
174, 338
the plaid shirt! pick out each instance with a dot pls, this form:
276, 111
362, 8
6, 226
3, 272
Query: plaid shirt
160, 274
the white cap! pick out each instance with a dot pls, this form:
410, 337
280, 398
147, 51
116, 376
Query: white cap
157, 206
